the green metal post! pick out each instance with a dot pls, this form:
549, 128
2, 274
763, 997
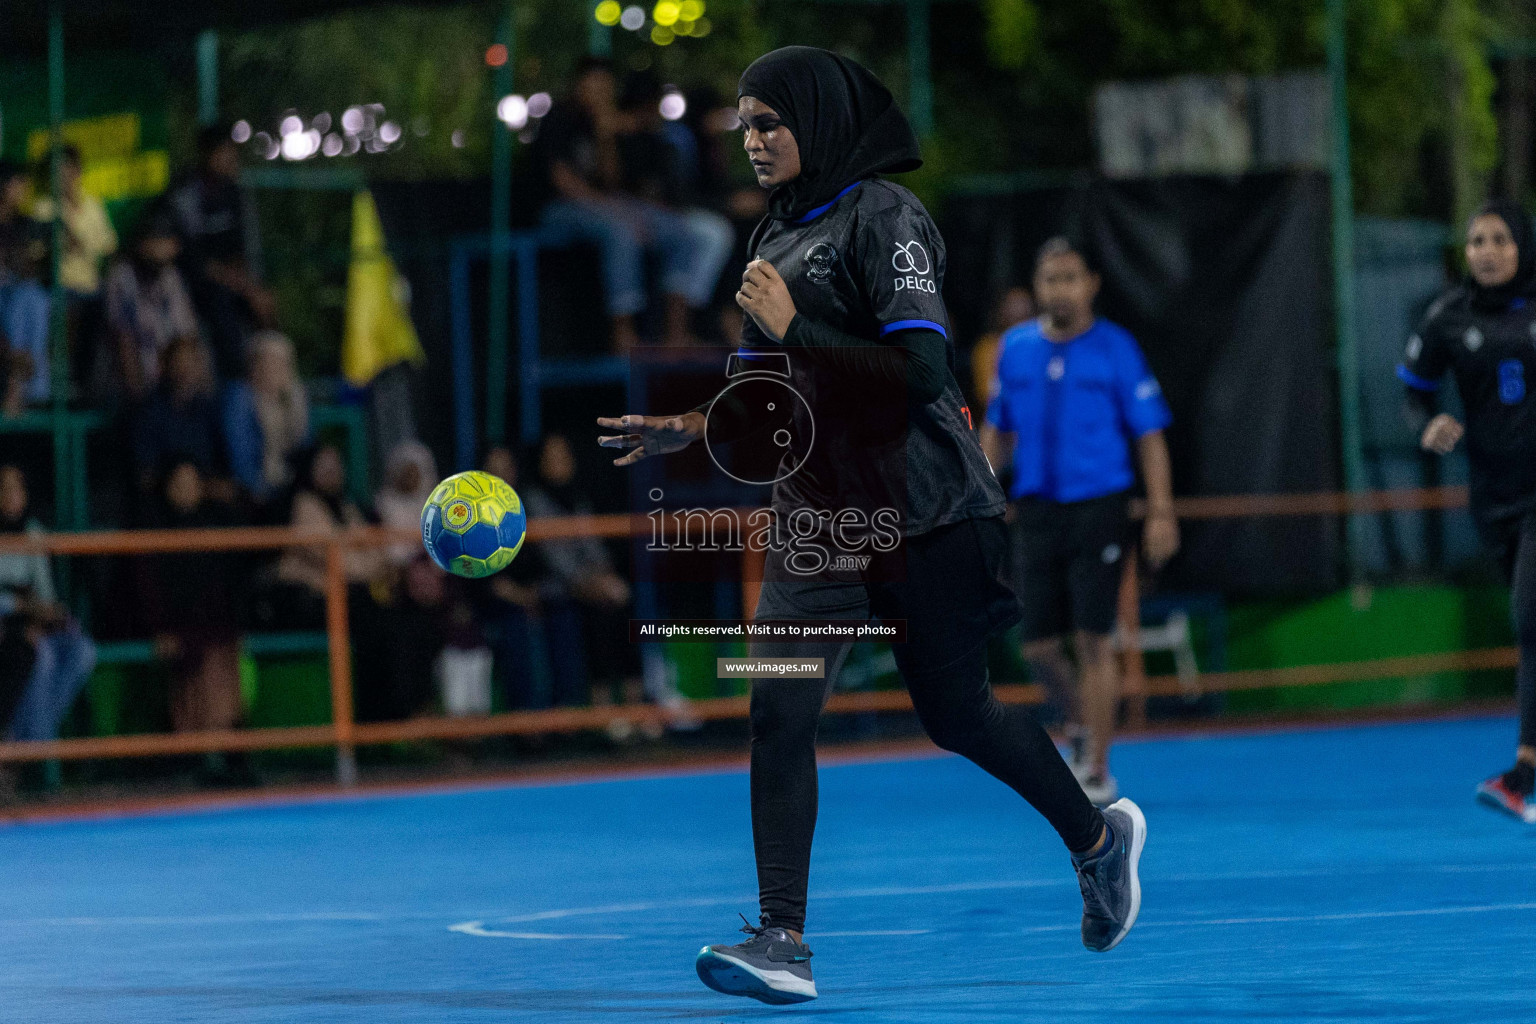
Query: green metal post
58, 324
599, 36
919, 63
1344, 278
500, 262
207, 77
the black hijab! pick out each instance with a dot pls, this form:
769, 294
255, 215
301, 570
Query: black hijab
1523, 284
845, 122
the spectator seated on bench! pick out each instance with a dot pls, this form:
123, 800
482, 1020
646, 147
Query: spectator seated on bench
580, 176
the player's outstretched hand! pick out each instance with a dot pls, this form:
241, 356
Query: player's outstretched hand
1442, 434
650, 435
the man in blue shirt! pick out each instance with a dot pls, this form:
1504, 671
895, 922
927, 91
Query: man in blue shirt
1073, 397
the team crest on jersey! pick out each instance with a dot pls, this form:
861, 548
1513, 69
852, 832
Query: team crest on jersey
820, 261
1473, 339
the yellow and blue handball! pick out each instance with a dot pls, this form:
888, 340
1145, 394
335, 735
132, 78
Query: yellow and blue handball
473, 524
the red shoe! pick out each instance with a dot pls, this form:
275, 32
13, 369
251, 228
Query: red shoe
1497, 793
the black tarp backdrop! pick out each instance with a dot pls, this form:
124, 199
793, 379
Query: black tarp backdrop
1225, 282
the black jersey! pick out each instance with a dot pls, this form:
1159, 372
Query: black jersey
1493, 358
870, 263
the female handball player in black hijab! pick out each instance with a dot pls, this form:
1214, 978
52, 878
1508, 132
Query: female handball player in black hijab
1484, 332
844, 293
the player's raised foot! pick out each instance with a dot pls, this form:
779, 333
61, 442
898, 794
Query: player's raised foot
770, 966
1511, 792
1110, 882
1100, 787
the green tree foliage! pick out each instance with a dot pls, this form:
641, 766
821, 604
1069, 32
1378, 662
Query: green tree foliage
1421, 111
1014, 79
425, 65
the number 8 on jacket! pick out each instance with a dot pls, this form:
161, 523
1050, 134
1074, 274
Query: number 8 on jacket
473, 524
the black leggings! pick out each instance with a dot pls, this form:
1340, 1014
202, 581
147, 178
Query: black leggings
959, 713
1520, 564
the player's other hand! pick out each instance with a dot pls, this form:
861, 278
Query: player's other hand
650, 435
1160, 538
765, 298
1442, 434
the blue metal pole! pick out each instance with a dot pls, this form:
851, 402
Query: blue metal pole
501, 226
530, 383
463, 358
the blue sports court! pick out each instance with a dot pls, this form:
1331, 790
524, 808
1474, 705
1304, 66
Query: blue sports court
1339, 874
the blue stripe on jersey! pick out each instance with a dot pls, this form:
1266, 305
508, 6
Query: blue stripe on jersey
813, 214
905, 325
1414, 381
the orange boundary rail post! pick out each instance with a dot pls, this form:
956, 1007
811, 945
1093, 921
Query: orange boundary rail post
339, 642
1133, 667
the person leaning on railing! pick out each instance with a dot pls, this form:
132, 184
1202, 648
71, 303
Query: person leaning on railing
266, 421
36, 695
581, 573
523, 606
189, 601
320, 505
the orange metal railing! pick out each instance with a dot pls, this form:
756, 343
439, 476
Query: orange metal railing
344, 734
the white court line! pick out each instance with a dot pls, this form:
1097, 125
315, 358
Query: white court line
958, 887
478, 929
340, 915
1363, 915
890, 931
714, 901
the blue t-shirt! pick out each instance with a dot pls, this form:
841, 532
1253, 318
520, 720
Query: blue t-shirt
1074, 408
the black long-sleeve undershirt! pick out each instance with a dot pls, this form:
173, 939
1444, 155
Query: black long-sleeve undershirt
1419, 407
915, 358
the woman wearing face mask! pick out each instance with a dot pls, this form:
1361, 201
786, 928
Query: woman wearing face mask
1484, 333
844, 289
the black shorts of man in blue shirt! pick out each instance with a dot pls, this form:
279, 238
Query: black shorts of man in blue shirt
1073, 403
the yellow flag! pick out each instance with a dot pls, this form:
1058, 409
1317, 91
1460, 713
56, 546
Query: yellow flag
379, 332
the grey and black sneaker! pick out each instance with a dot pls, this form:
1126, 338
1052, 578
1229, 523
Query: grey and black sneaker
1110, 882
770, 966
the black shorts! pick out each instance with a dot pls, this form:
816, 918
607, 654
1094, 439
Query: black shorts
1069, 560
1502, 538
948, 584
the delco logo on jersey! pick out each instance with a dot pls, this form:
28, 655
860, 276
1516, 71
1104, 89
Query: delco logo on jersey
911, 263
